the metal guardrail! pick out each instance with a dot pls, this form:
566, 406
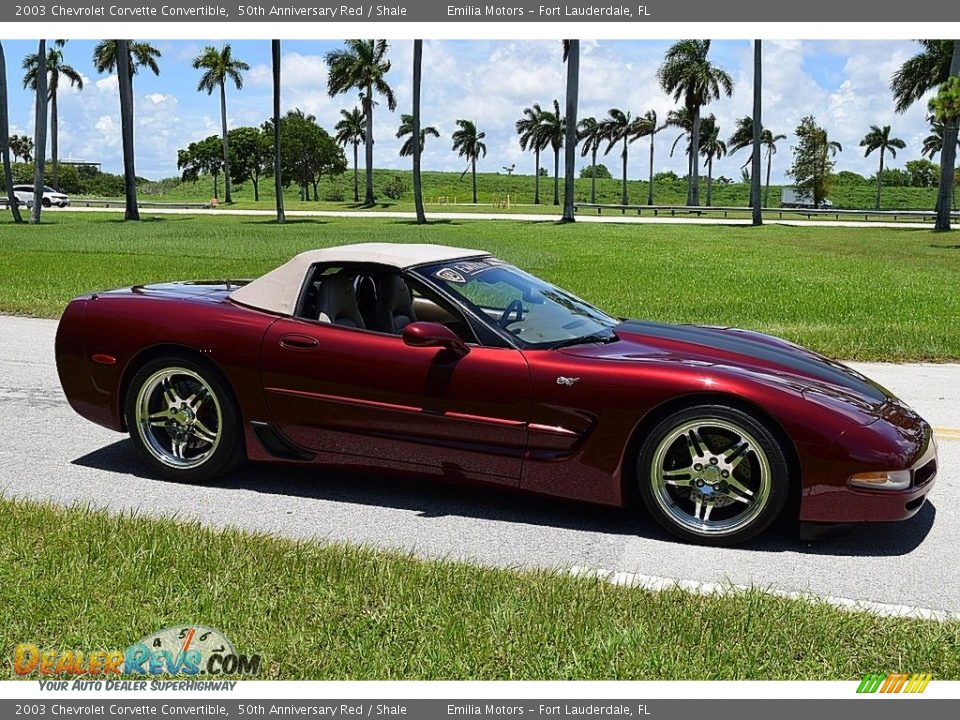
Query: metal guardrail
146, 204
701, 210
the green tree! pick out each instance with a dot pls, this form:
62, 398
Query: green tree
57, 70
879, 139
251, 154
813, 160
946, 108
126, 57
351, 130
711, 147
681, 118
532, 138
468, 143
307, 152
742, 137
598, 170
646, 126
923, 173
618, 127
688, 76
5, 141
406, 131
202, 158
590, 134
21, 147
219, 66
553, 129
928, 69
362, 65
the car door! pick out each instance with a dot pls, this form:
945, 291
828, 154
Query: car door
366, 394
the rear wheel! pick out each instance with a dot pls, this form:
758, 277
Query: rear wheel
45, 202
713, 474
183, 420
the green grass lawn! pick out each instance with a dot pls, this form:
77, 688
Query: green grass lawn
448, 187
868, 294
77, 579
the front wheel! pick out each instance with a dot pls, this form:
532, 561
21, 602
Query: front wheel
712, 474
183, 420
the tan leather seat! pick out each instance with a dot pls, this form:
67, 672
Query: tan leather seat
338, 302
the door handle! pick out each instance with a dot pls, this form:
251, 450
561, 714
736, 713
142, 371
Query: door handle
294, 341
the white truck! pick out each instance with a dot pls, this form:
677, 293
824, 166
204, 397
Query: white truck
793, 198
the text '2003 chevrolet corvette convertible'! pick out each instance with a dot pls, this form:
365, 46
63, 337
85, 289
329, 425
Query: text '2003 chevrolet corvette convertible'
431, 360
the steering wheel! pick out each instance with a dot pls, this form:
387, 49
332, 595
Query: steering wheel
515, 307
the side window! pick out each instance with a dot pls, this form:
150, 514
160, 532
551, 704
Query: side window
430, 308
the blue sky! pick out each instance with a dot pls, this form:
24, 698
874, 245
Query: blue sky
844, 83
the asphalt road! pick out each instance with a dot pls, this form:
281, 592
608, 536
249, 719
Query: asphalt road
50, 453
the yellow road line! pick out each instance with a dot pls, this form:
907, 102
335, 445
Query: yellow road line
947, 433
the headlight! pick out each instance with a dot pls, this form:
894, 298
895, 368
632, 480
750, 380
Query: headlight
881, 480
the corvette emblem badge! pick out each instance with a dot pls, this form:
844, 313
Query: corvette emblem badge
568, 381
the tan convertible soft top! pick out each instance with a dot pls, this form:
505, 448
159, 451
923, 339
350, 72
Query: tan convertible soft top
277, 291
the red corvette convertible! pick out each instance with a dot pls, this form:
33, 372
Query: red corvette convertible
433, 360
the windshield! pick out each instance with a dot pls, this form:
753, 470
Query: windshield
533, 311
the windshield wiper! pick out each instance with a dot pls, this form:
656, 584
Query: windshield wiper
586, 340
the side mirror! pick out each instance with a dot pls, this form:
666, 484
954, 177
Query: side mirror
432, 334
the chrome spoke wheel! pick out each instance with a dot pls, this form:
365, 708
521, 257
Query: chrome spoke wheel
179, 418
710, 476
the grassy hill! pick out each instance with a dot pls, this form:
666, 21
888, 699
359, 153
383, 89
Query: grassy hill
494, 188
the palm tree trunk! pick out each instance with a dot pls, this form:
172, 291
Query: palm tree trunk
256, 187
227, 196
593, 178
757, 215
625, 199
40, 133
653, 134
710, 181
766, 190
368, 113
473, 177
417, 150
556, 176
356, 174
5, 142
570, 159
125, 84
54, 140
278, 182
536, 176
879, 179
948, 156
216, 189
694, 155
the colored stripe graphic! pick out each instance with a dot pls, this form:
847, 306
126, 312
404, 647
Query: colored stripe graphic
895, 683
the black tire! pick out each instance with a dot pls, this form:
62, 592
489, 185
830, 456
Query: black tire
757, 477
199, 463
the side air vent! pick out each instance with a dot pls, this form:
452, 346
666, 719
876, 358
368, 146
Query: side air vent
276, 444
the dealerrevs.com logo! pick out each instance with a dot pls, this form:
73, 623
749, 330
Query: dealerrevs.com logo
189, 650
895, 683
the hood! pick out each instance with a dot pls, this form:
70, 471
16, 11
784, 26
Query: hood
744, 349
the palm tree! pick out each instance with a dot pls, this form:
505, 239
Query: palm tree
406, 131
140, 55
220, 66
826, 148
879, 139
742, 138
571, 55
930, 68
125, 88
687, 74
40, 137
646, 126
589, 133
553, 130
469, 144
416, 132
277, 164
769, 141
531, 137
682, 119
12, 202
618, 127
711, 147
56, 69
351, 129
757, 214
932, 143
21, 147
362, 65
126, 57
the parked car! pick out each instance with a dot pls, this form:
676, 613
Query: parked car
793, 198
425, 360
51, 197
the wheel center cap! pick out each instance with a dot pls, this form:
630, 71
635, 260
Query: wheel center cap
711, 474
184, 416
